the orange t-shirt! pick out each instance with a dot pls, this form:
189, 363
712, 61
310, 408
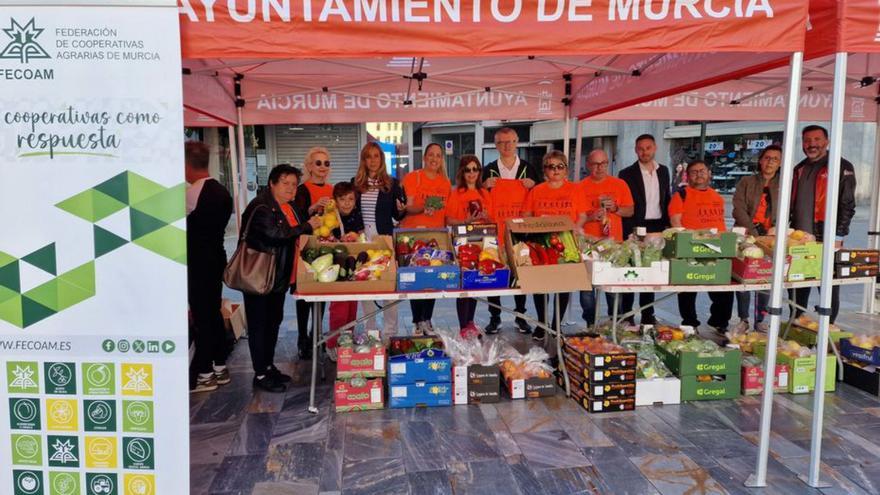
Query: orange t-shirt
419, 187
291, 219
508, 197
318, 191
699, 210
761, 217
566, 200
459, 203
611, 187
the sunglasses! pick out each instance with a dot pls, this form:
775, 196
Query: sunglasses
558, 166
325, 163
471, 169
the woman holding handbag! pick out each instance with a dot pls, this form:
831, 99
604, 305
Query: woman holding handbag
272, 226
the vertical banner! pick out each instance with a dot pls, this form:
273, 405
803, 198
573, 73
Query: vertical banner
93, 315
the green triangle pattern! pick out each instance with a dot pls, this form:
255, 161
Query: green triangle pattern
6, 258
10, 276
141, 188
168, 205
115, 187
11, 311
143, 224
106, 241
91, 205
69, 294
82, 276
44, 259
45, 294
33, 311
6, 294
169, 241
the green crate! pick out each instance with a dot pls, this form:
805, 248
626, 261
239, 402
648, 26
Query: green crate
681, 272
805, 262
683, 245
691, 363
808, 337
802, 371
728, 388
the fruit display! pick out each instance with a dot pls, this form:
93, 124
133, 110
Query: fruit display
334, 263
521, 369
666, 333
702, 347
419, 252
473, 256
795, 238
649, 364
359, 355
793, 349
864, 341
746, 340
547, 248
861, 349
414, 345
594, 345
630, 253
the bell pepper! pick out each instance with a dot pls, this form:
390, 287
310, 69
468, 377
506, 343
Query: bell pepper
490, 254
488, 266
553, 256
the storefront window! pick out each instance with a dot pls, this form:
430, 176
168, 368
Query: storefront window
729, 157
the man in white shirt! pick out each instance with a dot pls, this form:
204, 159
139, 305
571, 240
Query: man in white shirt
648, 182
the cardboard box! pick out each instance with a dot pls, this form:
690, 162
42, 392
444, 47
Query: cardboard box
369, 364
692, 363
753, 379
752, 270
854, 271
530, 388
624, 359
426, 366
599, 376
604, 273
721, 387
566, 277
473, 279
234, 318
856, 353
350, 398
802, 371
658, 391
685, 245
805, 262
866, 378
603, 404
681, 272
857, 257
421, 394
476, 384
424, 278
625, 389
306, 283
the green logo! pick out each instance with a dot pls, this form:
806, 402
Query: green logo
137, 416
63, 483
27, 482
101, 484
22, 377
168, 346
137, 453
27, 450
100, 415
123, 346
60, 378
98, 379
24, 414
153, 346
138, 346
23, 46
63, 451
108, 345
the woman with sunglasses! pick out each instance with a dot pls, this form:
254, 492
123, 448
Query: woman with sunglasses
555, 196
427, 192
469, 202
381, 200
311, 196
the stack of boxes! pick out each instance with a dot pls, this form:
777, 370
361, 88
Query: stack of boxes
600, 382
419, 373
851, 263
802, 370
360, 372
700, 258
705, 377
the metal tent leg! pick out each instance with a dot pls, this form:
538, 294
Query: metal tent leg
316, 335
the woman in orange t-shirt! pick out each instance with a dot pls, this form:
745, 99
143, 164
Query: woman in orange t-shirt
469, 202
311, 197
555, 196
427, 193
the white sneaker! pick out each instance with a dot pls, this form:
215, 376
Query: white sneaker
742, 327
429, 329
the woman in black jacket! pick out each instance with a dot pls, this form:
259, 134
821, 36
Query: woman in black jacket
272, 224
382, 203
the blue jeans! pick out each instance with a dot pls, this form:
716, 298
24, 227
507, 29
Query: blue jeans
588, 305
743, 302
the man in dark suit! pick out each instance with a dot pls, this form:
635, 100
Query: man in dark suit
514, 178
648, 182
208, 208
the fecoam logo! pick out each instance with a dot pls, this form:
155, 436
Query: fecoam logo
24, 48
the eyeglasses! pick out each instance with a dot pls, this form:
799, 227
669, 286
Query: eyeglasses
471, 169
555, 166
771, 159
505, 143
325, 163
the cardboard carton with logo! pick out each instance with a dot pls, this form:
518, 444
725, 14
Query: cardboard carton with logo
619, 389
804, 262
710, 387
856, 257
699, 272
605, 273
530, 388
699, 244
686, 363
482, 236
420, 394
306, 282
855, 271
420, 363
350, 363
802, 377
610, 356
753, 379
359, 395
603, 404
594, 377
410, 277
752, 270
859, 354
476, 384
547, 278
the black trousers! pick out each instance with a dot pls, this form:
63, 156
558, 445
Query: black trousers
626, 305
802, 298
422, 309
205, 296
466, 307
495, 313
264, 315
303, 312
719, 312
542, 310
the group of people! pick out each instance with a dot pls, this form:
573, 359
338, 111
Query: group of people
374, 203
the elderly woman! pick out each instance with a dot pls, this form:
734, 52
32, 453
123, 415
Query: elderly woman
272, 224
311, 197
428, 182
382, 202
555, 196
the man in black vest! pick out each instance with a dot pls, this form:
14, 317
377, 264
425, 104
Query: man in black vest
208, 208
648, 182
509, 166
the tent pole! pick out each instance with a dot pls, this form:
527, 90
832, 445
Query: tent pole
868, 298
759, 478
242, 163
233, 170
578, 149
828, 236
566, 135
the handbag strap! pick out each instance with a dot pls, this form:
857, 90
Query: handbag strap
247, 226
